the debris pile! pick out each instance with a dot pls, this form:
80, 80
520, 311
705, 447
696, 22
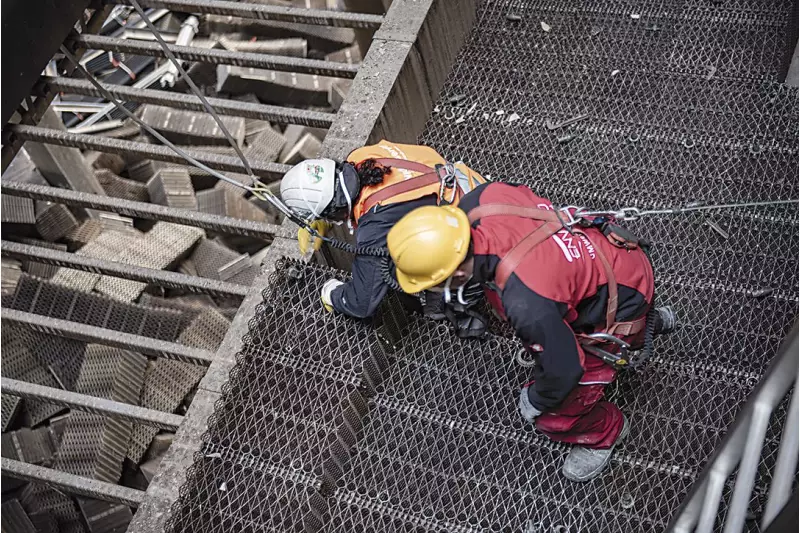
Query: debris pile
93, 445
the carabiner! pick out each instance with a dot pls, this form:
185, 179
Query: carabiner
628, 214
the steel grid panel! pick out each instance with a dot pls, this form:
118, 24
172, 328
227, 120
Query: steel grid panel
21, 362
160, 247
290, 411
167, 383
109, 244
670, 119
443, 447
120, 187
43, 297
92, 446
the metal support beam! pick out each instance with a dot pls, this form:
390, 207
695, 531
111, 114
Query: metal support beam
91, 404
162, 278
71, 483
262, 169
130, 208
220, 57
34, 113
107, 337
271, 113
320, 17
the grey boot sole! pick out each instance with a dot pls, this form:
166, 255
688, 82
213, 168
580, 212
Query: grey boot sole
600, 468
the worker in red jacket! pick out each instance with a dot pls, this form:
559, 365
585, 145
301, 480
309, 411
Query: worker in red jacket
573, 293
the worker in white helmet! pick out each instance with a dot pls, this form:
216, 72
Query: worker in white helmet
374, 188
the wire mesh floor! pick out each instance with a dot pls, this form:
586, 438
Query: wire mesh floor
329, 424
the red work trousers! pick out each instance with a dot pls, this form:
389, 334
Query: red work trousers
585, 417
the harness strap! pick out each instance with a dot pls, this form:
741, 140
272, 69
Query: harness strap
429, 177
515, 256
493, 210
613, 290
413, 166
552, 224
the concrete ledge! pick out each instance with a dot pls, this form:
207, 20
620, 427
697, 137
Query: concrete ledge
163, 491
225, 358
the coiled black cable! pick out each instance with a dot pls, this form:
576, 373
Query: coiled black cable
649, 334
388, 275
375, 251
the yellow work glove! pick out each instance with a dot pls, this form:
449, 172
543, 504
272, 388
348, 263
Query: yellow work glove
325, 294
304, 238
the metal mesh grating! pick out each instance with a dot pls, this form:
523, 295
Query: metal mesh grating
17, 210
54, 221
290, 411
108, 244
160, 247
46, 298
166, 384
206, 331
188, 127
85, 233
119, 187
172, 187
225, 202
21, 362
40, 269
212, 259
682, 105
92, 445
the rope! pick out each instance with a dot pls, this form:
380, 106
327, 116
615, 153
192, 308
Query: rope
193, 87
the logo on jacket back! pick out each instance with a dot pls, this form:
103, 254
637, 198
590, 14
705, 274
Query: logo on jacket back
315, 173
571, 245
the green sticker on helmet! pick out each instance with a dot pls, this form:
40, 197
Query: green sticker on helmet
315, 173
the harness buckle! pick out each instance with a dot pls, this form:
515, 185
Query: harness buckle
447, 180
628, 213
617, 360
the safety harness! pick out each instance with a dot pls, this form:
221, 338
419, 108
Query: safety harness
444, 175
553, 222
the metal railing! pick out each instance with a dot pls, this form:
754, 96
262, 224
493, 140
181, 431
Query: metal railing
742, 448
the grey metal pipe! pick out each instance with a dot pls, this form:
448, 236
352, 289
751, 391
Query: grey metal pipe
748, 468
163, 213
263, 169
71, 483
91, 404
785, 466
271, 113
162, 278
220, 57
320, 17
108, 337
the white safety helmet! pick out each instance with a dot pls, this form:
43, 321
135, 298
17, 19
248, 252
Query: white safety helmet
308, 188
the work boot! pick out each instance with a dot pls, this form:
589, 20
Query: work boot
666, 319
583, 464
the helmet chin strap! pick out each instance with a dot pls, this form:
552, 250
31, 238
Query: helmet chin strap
448, 296
308, 204
349, 201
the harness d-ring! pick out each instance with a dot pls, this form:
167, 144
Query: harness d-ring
523, 360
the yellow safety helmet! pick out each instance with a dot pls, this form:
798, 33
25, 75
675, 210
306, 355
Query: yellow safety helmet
427, 246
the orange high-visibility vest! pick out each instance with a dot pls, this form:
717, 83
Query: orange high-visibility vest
407, 162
